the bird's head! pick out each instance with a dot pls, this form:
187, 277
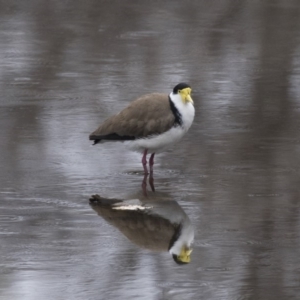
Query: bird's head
184, 90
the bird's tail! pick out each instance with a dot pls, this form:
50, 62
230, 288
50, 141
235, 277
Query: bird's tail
100, 201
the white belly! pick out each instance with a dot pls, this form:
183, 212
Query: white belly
157, 143
161, 142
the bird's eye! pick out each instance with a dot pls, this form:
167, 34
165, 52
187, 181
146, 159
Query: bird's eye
179, 91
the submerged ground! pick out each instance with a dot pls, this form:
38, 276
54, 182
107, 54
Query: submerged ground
66, 66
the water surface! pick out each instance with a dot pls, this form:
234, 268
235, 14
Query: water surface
66, 66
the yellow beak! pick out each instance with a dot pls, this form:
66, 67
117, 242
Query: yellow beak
188, 98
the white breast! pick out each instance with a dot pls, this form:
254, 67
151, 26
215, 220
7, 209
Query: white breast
160, 142
187, 111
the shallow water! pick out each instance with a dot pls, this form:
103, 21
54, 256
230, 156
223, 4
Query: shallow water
64, 67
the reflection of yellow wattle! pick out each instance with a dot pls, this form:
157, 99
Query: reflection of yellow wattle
185, 255
188, 252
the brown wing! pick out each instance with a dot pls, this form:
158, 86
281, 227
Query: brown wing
147, 115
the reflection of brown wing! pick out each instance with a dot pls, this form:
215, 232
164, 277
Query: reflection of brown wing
144, 229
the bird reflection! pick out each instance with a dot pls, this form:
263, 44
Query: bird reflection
151, 183
157, 225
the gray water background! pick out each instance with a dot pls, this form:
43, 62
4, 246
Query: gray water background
67, 65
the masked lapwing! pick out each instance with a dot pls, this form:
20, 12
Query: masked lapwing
154, 225
150, 123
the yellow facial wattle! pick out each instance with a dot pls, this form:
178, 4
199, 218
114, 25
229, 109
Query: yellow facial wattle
186, 95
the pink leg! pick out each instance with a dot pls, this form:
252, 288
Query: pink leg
151, 162
144, 161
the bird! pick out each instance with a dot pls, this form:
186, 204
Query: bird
151, 123
157, 225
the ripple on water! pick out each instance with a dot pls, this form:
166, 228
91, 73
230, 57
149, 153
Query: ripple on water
157, 172
264, 195
10, 218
